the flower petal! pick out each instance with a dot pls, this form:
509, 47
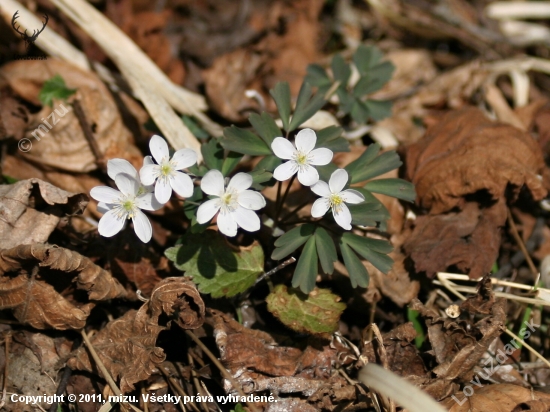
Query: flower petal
182, 184
250, 199
320, 207
352, 196
308, 176
320, 157
227, 224
247, 219
110, 224
163, 191
285, 171
127, 184
212, 183
305, 140
282, 148
338, 180
159, 148
342, 216
240, 182
149, 173
116, 166
207, 210
148, 160
103, 207
105, 194
148, 201
321, 189
142, 226
184, 158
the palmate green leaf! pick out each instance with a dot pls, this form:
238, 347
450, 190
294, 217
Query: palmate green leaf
329, 137
307, 267
217, 267
259, 177
358, 274
281, 95
194, 128
54, 88
304, 95
318, 312
399, 188
359, 112
362, 161
367, 214
317, 76
378, 109
378, 166
363, 247
325, 171
189, 207
230, 162
268, 163
326, 250
305, 112
292, 240
265, 126
366, 57
374, 79
340, 69
212, 152
244, 141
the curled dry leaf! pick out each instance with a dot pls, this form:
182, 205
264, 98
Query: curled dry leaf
13, 117
37, 291
499, 398
31, 209
468, 163
127, 345
61, 142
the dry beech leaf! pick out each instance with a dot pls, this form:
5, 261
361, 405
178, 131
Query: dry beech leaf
31, 209
503, 397
127, 345
465, 153
36, 282
64, 145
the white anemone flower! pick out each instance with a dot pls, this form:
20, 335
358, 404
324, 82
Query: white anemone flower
235, 203
333, 197
301, 158
166, 172
125, 203
116, 166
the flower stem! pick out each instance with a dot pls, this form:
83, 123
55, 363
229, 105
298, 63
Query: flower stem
280, 206
293, 211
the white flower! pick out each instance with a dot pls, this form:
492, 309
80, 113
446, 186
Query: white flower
301, 158
116, 166
333, 197
125, 203
235, 203
166, 171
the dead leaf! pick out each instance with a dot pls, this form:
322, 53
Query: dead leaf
31, 209
36, 281
14, 117
127, 345
500, 398
60, 142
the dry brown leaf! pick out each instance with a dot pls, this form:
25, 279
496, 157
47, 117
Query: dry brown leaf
36, 280
127, 345
31, 209
499, 398
465, 153
13, 117
64, 145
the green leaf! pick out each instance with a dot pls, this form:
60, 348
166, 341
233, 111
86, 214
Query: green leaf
380, 261
212, 153
230, 162
347, 101
325, 171
366, 57
239, 408
399, 188
307, 267
244, 141
367, 214
268, 163
378, 109
362, 161
318, 312
216, 266
374, 80
326, 250
329, 137
265, 126
358, 274
292, 240
194, 127
281, 95
412, 316
361, 242
359, 112
260, 176
317, 76
189, 206
54, 88
340, 70
381, 164
308, 110
303, 97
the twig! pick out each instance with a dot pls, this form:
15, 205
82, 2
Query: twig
64, 378
533, 351
219, 365
275, 269
7, 341
177, 387
196, 380
103, 369
521, 245
89, 135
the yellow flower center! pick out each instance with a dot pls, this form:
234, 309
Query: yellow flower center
166, 169
301, 159
335, 201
